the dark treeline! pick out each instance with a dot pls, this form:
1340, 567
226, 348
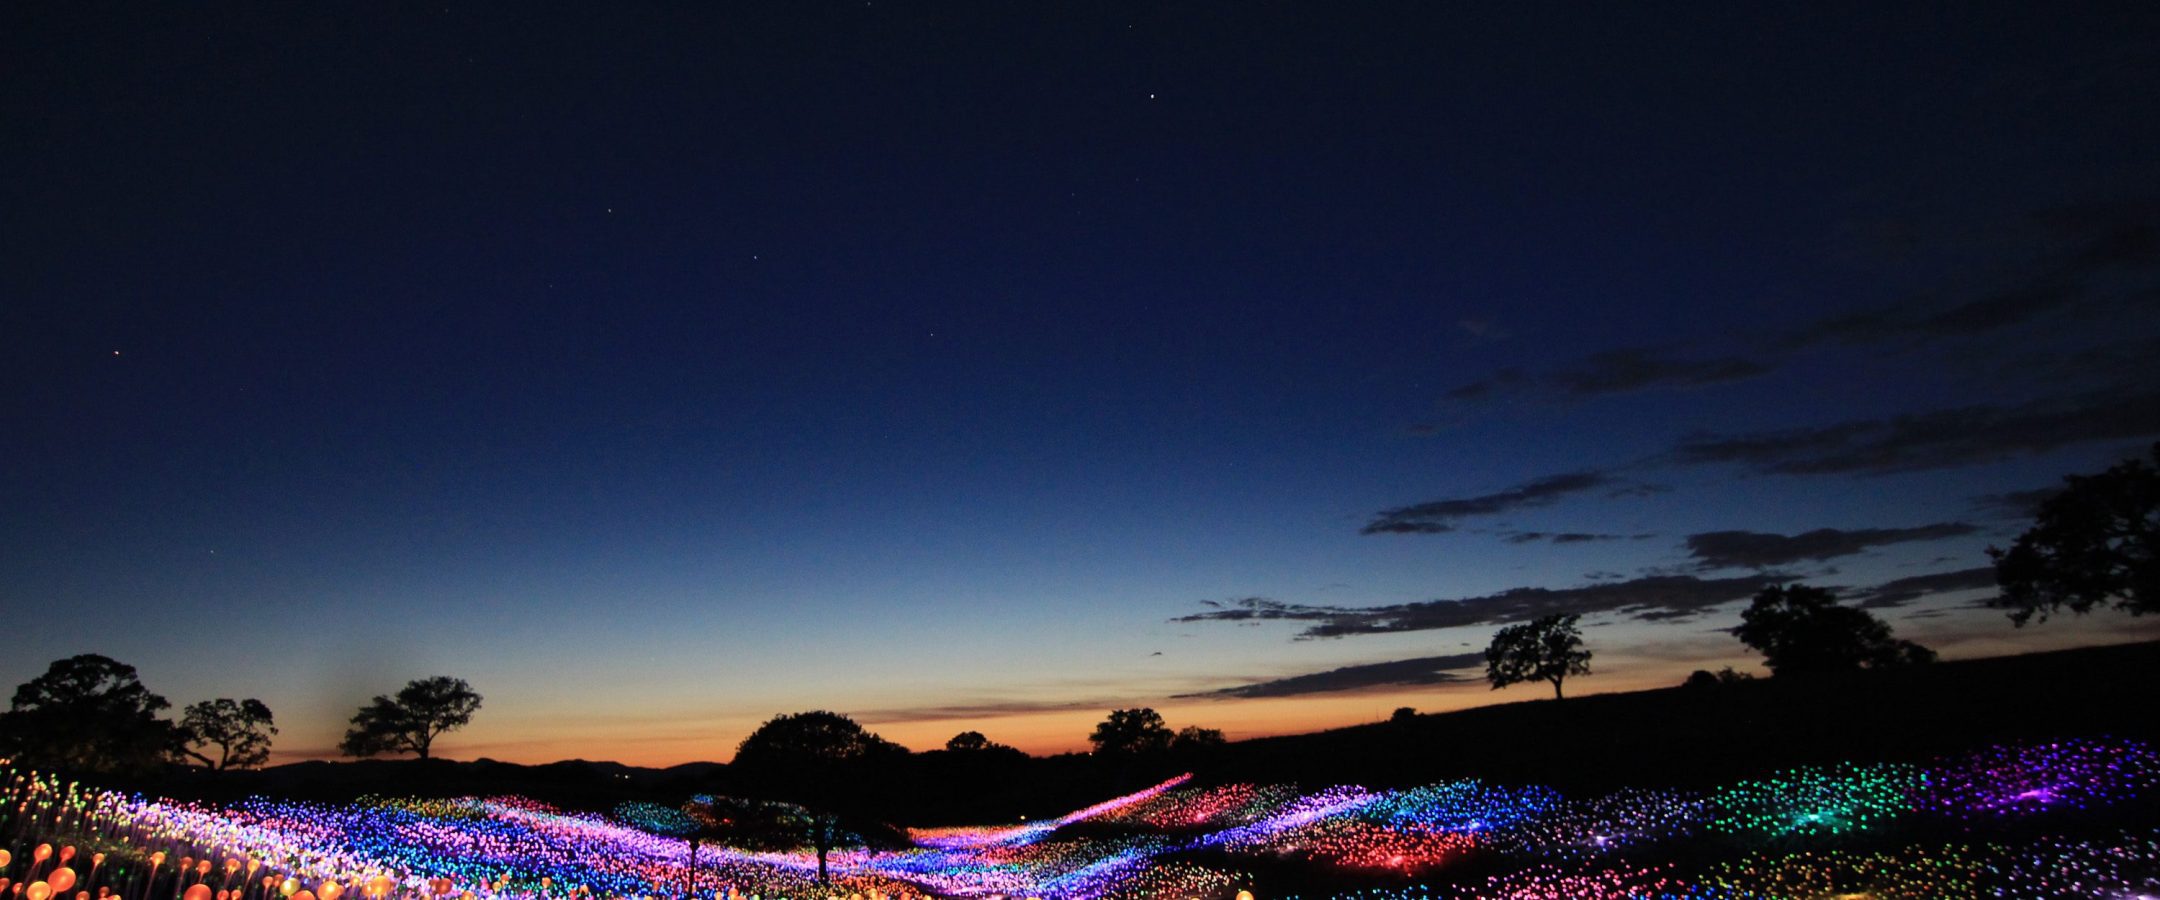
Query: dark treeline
1689, 736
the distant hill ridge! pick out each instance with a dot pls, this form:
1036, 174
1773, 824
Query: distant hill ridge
1677, 737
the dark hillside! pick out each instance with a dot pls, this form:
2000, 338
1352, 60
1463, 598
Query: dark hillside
1673, 737
1694, 736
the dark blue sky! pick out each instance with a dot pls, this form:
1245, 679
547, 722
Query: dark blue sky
669, 368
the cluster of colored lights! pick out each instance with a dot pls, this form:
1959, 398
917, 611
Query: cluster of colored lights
1352, 844
1280, 829
1546, 882
967, 838
1176, 879
1816, 801
1582, 829
655, 818
1218, 807
1047, 868
2122, 866
2118, 867
1173, 841
2024, 778
1462, 806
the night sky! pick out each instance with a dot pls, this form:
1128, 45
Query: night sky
969, 366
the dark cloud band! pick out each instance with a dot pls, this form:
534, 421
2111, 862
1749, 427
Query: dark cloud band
1760, 550
1649, 598
1441, 515
1424, 670
1948, 438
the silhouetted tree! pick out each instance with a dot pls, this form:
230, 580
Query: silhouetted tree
1403, 714
805, 757
1131, 732
1802, 630
88, 713
1543, 649
797, 739
1194, 738
421, 712
239, 729
973, 742
1704, 678
2092, 545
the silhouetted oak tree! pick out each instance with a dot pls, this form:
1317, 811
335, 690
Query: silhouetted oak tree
809, 738
807, 757
973, 742
2090, 546
88, 713
1802, 630
1131, 732
1544, 649
410, 723
239, 729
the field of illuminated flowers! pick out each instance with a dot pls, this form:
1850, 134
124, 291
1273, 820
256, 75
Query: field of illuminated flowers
2053, 819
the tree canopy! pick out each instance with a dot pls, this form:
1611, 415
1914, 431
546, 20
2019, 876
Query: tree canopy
1131, 732
973, 742
410, 722
968, 742
239, 729
816, 758
1195, 738
1548, 648
1802, 630
796, 740
88, 713
2091, 546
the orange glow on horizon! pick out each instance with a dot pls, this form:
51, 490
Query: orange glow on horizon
660, 742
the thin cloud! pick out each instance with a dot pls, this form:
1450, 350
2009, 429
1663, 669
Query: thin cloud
1440, 516
1622, 371
1995, 311
1568, 537
993, 709
2073, 250
1505, 379
1943, 439
1649, 598
2072, 260
2126, 361
1423, 670
2014, 504
1761, 550
1902, 591
1638, 369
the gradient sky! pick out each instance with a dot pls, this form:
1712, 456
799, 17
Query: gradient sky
659, 369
